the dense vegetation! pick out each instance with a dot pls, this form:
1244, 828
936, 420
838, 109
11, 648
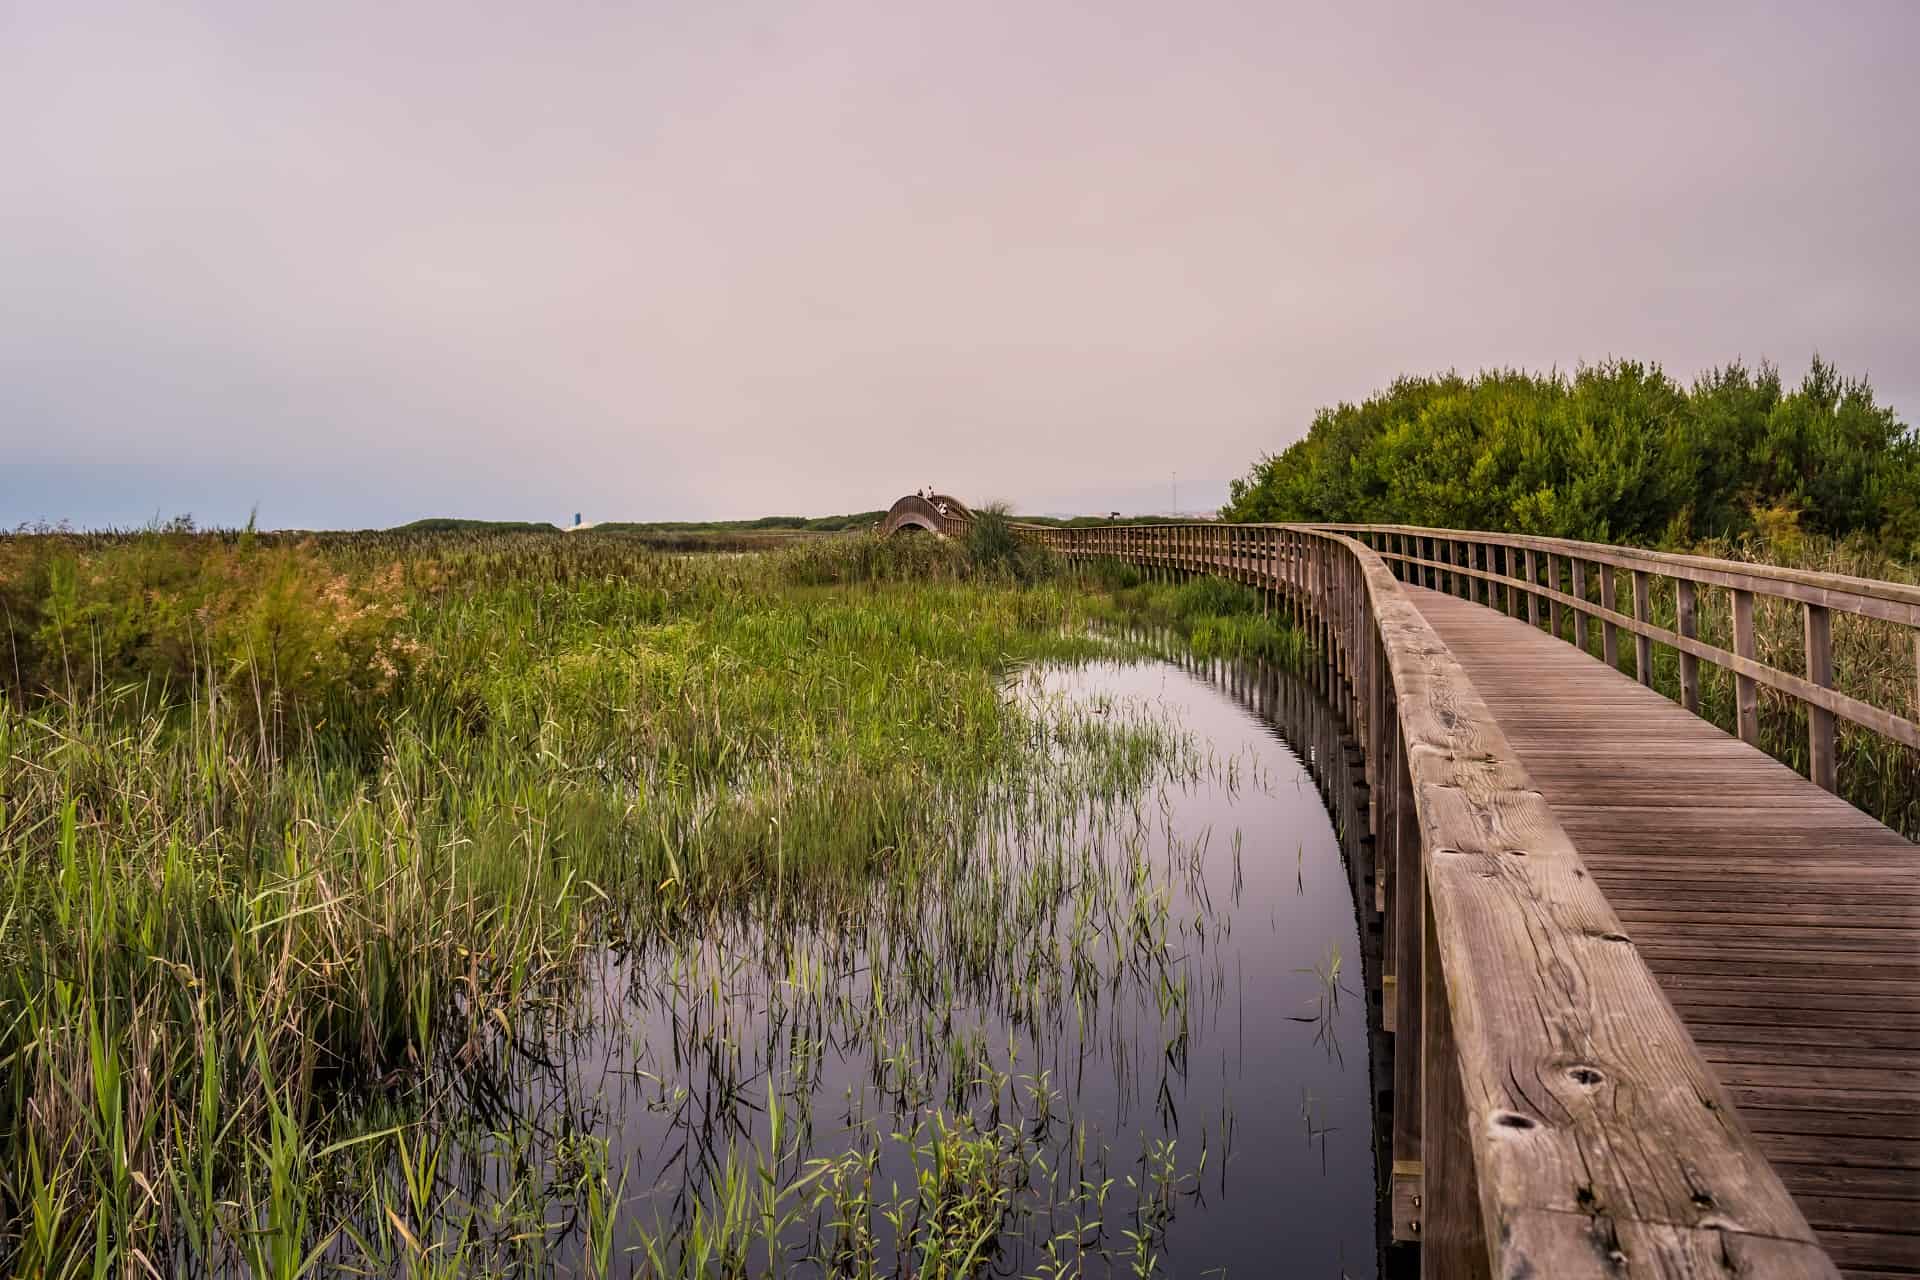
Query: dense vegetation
1618, 452
309, 847
857, 521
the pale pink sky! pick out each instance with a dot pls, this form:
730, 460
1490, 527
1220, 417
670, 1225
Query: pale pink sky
364, 262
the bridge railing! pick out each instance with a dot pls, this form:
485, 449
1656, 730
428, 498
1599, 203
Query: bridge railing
1553, 582
1552, 1116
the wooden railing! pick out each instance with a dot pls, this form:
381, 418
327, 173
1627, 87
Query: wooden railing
1552, 1116
1552, 580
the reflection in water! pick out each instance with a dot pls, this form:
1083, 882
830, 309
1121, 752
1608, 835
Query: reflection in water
1128, 1037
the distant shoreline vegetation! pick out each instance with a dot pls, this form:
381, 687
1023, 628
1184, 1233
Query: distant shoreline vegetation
1615, 452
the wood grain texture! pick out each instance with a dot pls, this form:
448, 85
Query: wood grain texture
1583, 1093
1782, 924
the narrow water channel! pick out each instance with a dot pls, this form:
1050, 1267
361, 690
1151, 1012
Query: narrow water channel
1131, 1039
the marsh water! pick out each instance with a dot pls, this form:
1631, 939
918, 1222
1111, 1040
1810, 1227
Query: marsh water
1130, 1039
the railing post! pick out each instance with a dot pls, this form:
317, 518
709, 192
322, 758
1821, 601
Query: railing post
1264, 543
1580, 615
1296, 580
1553, 584
1454, 1242
1643, 614
1822, 767
1685, 611
1609, 633
1746, 696
1409, 956
1533, 600
1376, 737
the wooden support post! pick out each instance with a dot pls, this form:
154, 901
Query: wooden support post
1409, 949
1686, 613
1266, 571
1533, 600
1642, 613
1822, 766
1746, 695
1609, 633
1298, 573
1580, 615
1388, 741
1553, 606
1453, 1243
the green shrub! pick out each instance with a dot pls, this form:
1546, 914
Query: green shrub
1618, 452
995, 548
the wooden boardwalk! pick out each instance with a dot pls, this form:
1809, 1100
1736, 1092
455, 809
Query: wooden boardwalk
1559, 1102
1782, 923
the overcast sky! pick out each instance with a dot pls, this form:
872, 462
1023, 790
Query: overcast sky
359, 263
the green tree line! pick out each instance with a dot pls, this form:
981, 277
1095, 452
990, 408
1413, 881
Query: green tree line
1616, 452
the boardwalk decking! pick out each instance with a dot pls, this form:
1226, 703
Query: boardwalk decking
1782, 923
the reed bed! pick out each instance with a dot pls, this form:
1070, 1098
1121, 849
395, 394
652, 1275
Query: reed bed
315, 853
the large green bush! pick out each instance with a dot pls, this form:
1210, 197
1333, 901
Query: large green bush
1618, 452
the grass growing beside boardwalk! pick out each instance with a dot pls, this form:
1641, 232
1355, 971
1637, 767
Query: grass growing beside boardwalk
1214, 618
298, 841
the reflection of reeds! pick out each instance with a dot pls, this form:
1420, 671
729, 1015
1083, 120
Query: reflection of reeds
1325, 1002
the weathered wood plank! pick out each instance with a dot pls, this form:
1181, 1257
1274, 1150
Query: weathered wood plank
1785, 925
1527, 946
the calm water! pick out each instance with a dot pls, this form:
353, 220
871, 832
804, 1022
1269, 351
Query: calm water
1150, 1010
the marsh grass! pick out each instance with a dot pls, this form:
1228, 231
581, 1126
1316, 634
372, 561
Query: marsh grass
1211, 617
308, 849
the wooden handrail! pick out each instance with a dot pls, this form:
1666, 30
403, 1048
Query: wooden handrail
1869, 597
1418, 550
1554, 1116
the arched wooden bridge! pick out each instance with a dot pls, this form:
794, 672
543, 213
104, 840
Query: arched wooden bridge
1655, 996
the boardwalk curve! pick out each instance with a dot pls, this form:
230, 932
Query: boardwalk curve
1640, 1024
